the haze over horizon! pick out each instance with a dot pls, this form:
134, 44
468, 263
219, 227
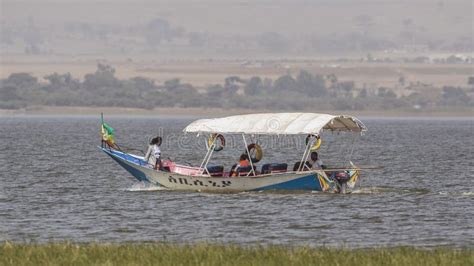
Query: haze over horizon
231, 27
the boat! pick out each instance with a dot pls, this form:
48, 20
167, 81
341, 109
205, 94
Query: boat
274, 176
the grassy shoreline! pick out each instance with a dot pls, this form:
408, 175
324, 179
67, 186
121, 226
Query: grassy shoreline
221, 254
214, 112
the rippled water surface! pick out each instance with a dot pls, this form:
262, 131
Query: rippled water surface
56, 185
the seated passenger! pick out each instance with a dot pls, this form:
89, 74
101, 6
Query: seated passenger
243, 162
316, 162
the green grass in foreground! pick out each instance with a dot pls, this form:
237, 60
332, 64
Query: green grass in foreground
208, 254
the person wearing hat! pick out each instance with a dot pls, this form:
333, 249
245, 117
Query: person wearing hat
153, 154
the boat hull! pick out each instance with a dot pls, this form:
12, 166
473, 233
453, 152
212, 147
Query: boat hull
311, 180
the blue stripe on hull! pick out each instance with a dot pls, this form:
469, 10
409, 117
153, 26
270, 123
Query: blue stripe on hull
126, 157
139, 175
308, 182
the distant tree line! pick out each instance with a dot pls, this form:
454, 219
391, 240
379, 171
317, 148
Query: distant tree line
305, 91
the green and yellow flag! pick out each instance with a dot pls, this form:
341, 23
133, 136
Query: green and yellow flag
107, 132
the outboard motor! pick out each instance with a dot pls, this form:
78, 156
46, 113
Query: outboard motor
342, 178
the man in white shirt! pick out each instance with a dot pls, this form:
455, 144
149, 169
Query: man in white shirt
153, 154
315, 161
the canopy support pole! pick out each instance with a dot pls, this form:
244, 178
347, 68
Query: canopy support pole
250, 159
305, 156
349, 159
206, 159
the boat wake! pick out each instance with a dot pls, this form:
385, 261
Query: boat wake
378, 190
144, 186
469, 193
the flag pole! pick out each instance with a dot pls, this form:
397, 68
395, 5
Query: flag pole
102, 144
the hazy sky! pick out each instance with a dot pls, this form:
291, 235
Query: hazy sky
241, 16
227, 21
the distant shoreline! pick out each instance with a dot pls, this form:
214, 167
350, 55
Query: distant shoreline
212, 112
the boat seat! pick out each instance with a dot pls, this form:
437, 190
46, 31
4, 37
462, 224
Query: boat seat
274, 168
243, 171
297, 165
216, 170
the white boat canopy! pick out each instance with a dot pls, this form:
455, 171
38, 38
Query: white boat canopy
277, 124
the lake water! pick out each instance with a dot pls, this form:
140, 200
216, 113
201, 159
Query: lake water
56, 185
